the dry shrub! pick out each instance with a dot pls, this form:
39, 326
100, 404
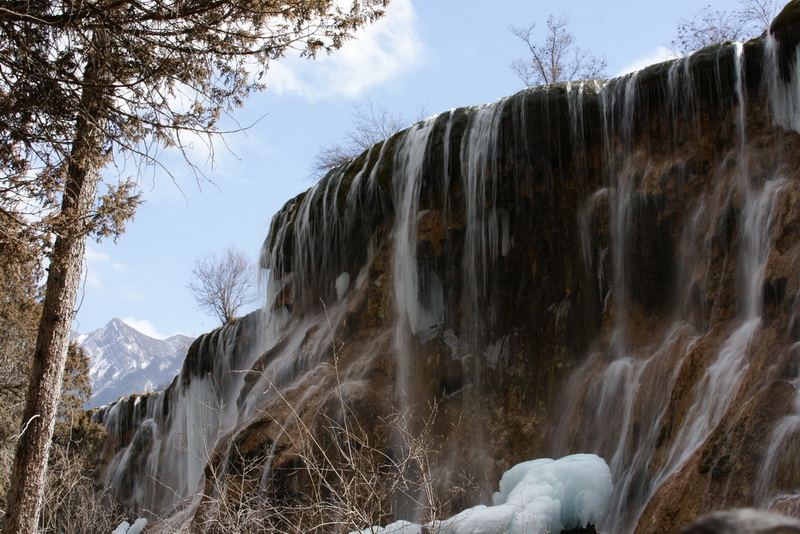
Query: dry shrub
338, 477
73, 501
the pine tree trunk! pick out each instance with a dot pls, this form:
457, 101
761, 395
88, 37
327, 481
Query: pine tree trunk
25, 493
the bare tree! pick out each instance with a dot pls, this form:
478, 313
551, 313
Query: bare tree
709, 26
223, 284
558, 58
372, 124
81, 82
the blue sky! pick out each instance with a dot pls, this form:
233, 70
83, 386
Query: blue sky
439, 54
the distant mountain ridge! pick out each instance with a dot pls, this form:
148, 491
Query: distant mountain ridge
124, 361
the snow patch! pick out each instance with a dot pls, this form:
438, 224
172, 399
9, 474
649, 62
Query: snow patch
127, 528
400, 527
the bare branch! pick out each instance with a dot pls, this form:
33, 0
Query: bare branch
372, 124
222, 285
710, 26
557, 59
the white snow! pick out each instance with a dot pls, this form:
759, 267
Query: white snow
127, 528
399, 527
535, 497
138, 526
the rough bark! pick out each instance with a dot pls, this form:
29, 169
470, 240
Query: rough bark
66, 260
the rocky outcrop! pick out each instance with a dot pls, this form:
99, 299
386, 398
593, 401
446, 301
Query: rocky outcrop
605, 267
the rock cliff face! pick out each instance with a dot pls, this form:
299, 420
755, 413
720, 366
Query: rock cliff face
605, 267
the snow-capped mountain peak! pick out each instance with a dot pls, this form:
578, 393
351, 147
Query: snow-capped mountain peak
124, 361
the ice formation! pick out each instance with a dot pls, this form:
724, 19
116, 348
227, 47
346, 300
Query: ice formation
535, 497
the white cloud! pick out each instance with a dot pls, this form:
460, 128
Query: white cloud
92, 279
95, 256
144, 326
96, 263
662, 53
377, 54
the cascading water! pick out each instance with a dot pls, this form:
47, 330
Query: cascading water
621, 181
625, 246
631, 390
784, 96
715, 390
179, 427
413, 315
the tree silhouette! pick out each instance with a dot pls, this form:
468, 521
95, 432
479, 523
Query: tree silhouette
710, 26
372, 124
557, 59
223, 284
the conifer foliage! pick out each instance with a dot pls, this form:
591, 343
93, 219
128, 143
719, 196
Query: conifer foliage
20, 310
86, 82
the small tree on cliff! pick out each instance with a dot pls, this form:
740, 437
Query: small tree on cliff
710, 26
558, 59
372, 123
223, 284
84, 82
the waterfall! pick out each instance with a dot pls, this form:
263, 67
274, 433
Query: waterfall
784, 94
629, 387
161, 443
594, 267
782, 448
621, 184
715, 390
413, 315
